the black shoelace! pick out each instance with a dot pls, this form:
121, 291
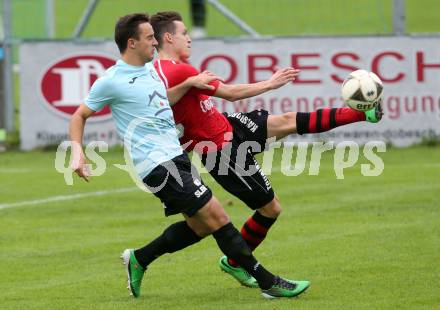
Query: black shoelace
281, 283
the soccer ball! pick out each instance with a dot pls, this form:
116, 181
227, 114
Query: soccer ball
362, 90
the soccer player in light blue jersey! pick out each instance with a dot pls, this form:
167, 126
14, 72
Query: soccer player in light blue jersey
144, 120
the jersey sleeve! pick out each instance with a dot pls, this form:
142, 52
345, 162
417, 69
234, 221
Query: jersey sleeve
187, 71
209, 92
100, 94
184, 71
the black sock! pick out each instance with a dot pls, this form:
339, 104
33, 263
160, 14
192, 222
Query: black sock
233, 245
263, 220
176, 237
254, 231
302, 122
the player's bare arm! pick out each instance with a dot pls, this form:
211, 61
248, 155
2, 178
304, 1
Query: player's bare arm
242, 91
76, 131
200, 81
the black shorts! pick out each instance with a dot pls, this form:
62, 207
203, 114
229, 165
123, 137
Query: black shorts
179, 186
235, 167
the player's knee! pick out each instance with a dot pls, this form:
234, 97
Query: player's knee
282, 125
210, 218
289, 118
276, 207
272, 209
200, 229
219, 215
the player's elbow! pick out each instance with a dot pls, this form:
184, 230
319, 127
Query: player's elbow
231, 97
82, 113
173, 98
78, 117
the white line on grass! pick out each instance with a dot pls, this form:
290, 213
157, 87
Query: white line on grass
17, 170
66, 197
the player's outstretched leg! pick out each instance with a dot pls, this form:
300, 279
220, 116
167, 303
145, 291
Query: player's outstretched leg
280, 126
326, 119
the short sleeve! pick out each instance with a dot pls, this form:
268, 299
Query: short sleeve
189, 71
185, 71
100, 94
210, 92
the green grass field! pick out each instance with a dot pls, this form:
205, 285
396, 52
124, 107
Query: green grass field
278, 17
363, 242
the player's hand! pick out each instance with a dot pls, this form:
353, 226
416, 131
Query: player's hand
203, 79
282, 77
80, 166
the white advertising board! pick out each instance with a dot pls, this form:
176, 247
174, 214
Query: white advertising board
56, 76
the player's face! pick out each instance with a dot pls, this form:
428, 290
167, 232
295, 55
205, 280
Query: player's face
181, 41
146, 43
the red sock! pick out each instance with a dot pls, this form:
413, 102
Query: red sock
325, 119
254, 231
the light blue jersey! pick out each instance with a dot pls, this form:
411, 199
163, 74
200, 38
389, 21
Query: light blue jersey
144, 120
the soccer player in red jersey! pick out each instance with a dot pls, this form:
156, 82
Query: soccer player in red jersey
228, 142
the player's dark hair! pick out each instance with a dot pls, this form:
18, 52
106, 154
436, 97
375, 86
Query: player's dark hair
128, 27
163, 22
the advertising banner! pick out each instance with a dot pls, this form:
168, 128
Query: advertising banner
54, 80
56, 77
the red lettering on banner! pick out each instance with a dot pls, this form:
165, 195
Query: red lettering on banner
375, 66
296, 65
286, 105
421, 66
305, 104
318, 103
431, 104
231, 62
310, 63
271, 103
336, 62
334, 101
393, 110
396, 106
253, 68
408, 109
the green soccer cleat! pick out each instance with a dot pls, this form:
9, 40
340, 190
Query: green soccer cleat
285, 288
241, 275
135, 272
374, 115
